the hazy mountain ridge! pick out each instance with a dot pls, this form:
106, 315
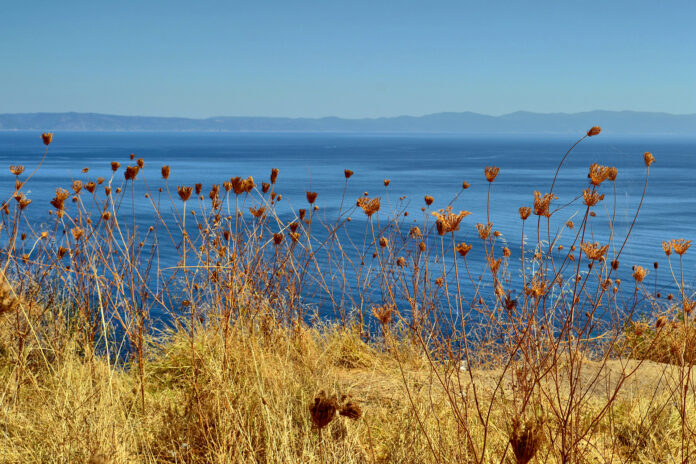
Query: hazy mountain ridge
615, 122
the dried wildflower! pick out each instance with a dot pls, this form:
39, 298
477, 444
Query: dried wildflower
525, 211
348, 173
429, 200
257, 212
447, 221
570, 224
484, 231
421, 246
667, 247
238, 185
590, 197
278, 238
61, 196
249, 184
274, 175
464, 248
47, 137
506, 252
648, 158
594, 251
526, 439
465, 185
655, 265
107, 190
680, 246
438, 281
383, 313
18, 184
184, 192
615, 264
401, 261
494, 264
491, 173
369, 206
295, 236
598, 174
77, 186
17, 170
198, 188
383, 242
542, 203
350, 410
387, 182
415, 232
595, 130
165, 172
612, 173
265, 187
302, 212
106, 216
131, 172
90, 186
316, 208
23, 203
639, 273
311, 197
323, 410
115, 165
77, 233
141, 163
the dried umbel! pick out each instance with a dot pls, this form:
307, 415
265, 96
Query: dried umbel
590, 197
680, 246
484, 230
595, 130
351, 410
61, 196
463, 249
447, 221
140, 162
77, 233
639, 273
491, 173
323, 410
667, 247
115, 165
238, 185
369, 206
599, 174
401, 261
77, 186
383, 242
594, 251
311, 197
47, 137
525, 211
415, 232
23, 203
429, 200
542, 203
274, 175
166, 170
383, 313
278, 238
257, 212
648, 158
506, 252
131, 172
17, 170
348, 173
198, 188
265, 187
184, 192
90, 186
526, 439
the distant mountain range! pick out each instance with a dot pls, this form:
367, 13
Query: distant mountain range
613, 122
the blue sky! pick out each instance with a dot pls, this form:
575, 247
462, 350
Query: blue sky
356, 58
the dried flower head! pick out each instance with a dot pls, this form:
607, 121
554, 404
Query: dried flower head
131, 172
447, 221
648, 158
383, 242
525, 211
184, 192
90, 186
61, 196
258, 211
595, 130
165, 172
369, 206
590, 197
106, 216
265, 187
77, 186
429, 200
77, 233
47, 137
464, 248
278, 238
491, 173
613, 172
17, 170
594, 251
274, 175
415, 232
383, 313
401, 261
542, 203
598, 174
680, 246
323, 410
115, 165
421, 246
387, 182
484, 230
311, 197
667, 247
506, 252
140, 162
639, 273
465, 185
526, 439
348, 173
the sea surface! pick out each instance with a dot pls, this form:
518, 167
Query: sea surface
416, 165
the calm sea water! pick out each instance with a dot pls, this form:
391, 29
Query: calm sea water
417, 165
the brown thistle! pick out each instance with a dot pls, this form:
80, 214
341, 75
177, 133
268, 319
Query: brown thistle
47, 138
447, 221
323, 410
648, 158
369, 206
594, 251
311, 197
680, 246
184, 192
590, 197
595, 130
542, 203
463, 249
491, 173
17, 170
525, 211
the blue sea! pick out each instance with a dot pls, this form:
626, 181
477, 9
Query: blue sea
416, 165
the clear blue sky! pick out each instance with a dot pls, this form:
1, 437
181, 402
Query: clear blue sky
352, 58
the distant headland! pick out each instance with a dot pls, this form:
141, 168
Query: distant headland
612, 122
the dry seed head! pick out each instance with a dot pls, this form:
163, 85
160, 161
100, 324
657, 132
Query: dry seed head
17, 170
265, 187
278, 238
590, 197
166, 170
542, 203
387, 182
438, 281
615, 264
491, 173
115, 165
141, 163
415, 232
295, 236
77, 186
47, 137
323, 410
484, 231
199, 188
18, 184
594, 251
311, 197
429, 200
667, 247
598, 174
302, 212
274, 175
464, 248
401, 261
447, 221
421, 246
648, 158
90, 186
184, 192
106, 216
383, 313
661, 322
639, 273
131, 172
23, 203
595, 130
77, 233
369, 206
465, 185
383, 242
506, 252
680, 246
249, 184
525, 211
348, 173
613, 172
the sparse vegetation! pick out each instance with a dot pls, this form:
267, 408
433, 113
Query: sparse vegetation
430, 357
